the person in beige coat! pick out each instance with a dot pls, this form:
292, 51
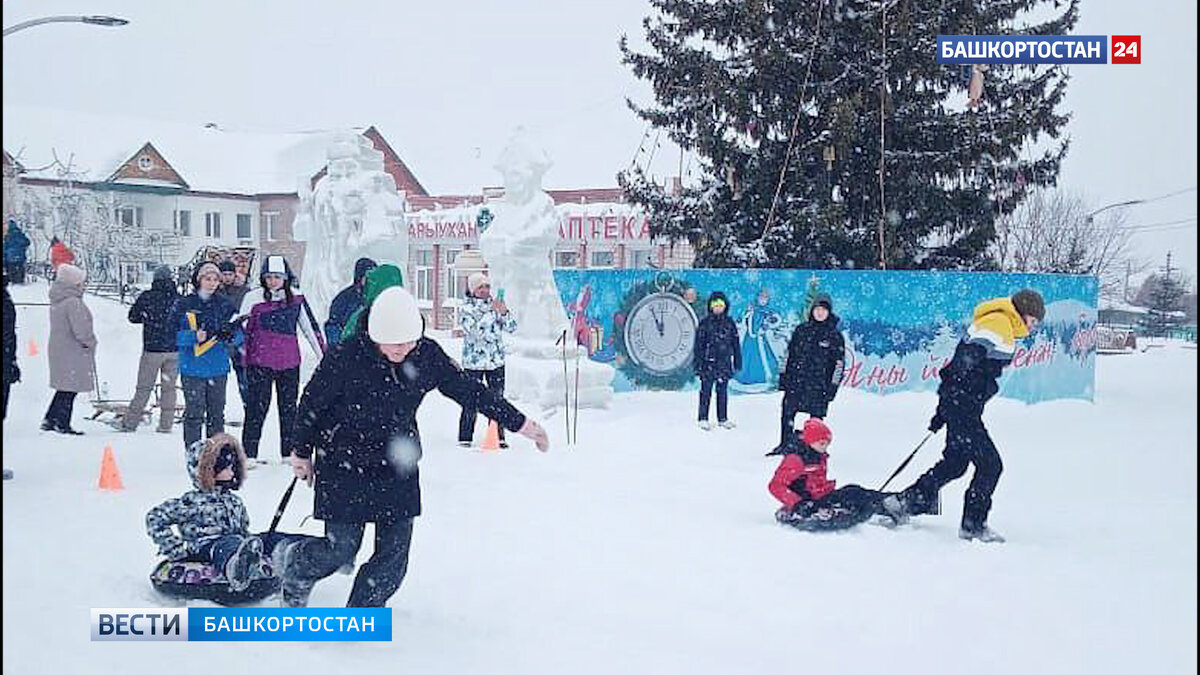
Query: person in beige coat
72, 348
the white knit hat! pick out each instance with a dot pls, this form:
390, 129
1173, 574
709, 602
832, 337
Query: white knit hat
476, 280
70, 275
394, 317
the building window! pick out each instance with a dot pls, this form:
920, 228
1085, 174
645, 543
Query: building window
642, 258
425, 277
183, 223
243, 226
212, 224
566, 258
129, 216
604, 258
270, 225
456, 286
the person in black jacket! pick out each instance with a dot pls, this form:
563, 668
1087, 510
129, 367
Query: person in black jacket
12, 372
816, 355
347, 301
234, 288
358, 416
716, 357
155, 310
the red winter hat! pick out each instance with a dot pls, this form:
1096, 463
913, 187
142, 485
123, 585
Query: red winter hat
815, 431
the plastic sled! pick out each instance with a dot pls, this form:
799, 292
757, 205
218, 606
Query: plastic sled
828, 519
191, 580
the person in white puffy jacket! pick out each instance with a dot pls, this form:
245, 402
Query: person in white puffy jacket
483, 319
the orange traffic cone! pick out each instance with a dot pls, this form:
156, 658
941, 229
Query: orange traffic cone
110, 478
492, 440
33, 350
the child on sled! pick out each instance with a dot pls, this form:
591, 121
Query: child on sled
210, 523
810, 500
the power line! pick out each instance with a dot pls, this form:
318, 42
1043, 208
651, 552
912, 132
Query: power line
1170, 194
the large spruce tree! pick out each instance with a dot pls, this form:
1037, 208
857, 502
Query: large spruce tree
752, 85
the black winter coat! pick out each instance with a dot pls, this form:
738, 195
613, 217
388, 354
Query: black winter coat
358, 415
717, 354
155, 310
12, 373
968, 381
815, 359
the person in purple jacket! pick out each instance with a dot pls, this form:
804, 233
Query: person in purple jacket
275, 318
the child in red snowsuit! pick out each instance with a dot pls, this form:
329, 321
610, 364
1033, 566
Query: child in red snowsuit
811, 501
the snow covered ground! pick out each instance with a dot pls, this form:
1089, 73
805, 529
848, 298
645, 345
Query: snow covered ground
650, 546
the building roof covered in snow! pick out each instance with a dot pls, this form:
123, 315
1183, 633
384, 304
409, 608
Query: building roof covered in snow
199, 157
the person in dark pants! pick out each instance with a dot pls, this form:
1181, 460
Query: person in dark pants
204, 330
16, 246
968, 381
717, 355
274, 318
815, 358
346, 302
71, 350
233, 289
12, 372
483, 320
155, 310
358, 420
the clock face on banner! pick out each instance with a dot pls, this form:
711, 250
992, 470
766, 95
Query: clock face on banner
660, 333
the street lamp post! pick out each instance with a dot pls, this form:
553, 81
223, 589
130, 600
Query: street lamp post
110, 21
1131, 202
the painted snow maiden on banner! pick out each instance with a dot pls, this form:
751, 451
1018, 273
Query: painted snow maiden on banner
899, 327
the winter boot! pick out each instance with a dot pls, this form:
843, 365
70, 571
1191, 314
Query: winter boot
68, 430
293, 590
704, 424
242, 563
984, 534
894, 509
726, 424
48, 425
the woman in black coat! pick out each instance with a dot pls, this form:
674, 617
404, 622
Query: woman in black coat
716, 357
358, 415
816, 355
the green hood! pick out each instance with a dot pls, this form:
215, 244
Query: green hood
378, 279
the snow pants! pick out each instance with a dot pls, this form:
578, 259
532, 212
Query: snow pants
378, 578
203, 405
221, 549
163, 367
258, 385
967, 442
792, 405
492, 379
706, 389
61, 408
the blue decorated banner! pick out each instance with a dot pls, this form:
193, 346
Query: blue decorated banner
900, 327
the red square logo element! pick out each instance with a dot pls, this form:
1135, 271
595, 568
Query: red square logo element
1126, 49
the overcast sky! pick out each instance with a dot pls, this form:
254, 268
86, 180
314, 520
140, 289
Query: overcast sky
447, 82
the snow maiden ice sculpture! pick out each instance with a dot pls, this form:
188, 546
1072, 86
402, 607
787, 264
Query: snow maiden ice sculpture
354, 211
516, 246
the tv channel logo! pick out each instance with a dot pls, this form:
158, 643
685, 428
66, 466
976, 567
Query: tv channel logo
132, 624
1027, 49
238, 624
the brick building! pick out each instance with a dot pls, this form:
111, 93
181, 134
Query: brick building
199, 185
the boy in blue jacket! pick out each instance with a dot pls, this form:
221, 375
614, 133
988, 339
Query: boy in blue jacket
205, 328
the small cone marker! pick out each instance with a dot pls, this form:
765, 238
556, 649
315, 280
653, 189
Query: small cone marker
492, 440
110, 478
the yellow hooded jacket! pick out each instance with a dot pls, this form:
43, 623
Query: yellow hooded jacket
996, 326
